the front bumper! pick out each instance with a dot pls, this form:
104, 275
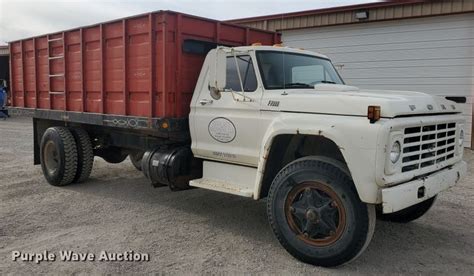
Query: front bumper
410, 193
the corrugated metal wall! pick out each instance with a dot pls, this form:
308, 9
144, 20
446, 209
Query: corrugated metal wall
4, 63
307, 20
4, 51
310, 22
434, 55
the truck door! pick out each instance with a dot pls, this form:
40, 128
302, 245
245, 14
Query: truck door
228, 129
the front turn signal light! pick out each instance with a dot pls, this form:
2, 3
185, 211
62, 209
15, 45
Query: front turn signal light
373, 113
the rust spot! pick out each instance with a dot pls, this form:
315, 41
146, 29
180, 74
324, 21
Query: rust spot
266, 153
309, 236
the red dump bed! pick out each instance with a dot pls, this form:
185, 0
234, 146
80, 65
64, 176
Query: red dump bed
144, 66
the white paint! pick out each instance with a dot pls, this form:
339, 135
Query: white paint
229, 178
434, 55
337, 112
403, 196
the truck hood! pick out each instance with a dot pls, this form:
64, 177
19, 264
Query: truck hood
349, 100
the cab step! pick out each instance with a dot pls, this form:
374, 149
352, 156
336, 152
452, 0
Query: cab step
227, 178
220, 186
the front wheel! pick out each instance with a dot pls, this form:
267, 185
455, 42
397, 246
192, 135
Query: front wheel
316, 214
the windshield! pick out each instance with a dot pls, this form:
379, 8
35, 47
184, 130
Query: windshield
283, 70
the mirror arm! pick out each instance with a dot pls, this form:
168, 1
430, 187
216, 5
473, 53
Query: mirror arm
240, 81
238, 71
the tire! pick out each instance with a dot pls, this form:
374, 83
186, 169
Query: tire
58, 153
316, 214
409, 214
113, 155
136, 159
85, 154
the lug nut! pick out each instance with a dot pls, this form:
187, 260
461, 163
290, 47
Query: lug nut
334, 204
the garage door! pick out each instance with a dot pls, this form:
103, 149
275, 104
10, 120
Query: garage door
433, 55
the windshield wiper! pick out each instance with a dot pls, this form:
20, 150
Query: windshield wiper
324, 81
298, 84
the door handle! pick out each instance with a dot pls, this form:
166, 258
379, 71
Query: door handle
205, 101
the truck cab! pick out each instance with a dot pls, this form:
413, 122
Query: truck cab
280, 123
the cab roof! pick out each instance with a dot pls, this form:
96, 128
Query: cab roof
279, 49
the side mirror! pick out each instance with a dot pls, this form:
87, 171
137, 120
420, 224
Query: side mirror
217, 72
215, 93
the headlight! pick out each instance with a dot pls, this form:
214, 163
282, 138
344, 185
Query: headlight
461, 137
395, 152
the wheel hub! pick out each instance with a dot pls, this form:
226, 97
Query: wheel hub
315, 213
312, 215
51, 157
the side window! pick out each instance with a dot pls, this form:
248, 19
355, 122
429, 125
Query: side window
247, 73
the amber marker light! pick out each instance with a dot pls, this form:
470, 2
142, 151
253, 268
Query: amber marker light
164, 125
373, 113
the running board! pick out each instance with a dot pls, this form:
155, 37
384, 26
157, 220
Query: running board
220, 186
227, 178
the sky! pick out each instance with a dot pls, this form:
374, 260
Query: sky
26, 18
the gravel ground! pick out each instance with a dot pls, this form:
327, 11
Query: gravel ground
194, 231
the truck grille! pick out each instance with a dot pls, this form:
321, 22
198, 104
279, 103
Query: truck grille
426, 146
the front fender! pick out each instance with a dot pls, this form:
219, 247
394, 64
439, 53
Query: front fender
355, 137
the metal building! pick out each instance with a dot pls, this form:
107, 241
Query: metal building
4, 63
417, 45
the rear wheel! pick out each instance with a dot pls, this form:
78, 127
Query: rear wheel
316, 214
409, 214
85, 154
58, 155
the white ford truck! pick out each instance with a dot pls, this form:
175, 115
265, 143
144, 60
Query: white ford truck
324, 154
264, 122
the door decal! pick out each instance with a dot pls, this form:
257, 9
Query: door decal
222, 130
